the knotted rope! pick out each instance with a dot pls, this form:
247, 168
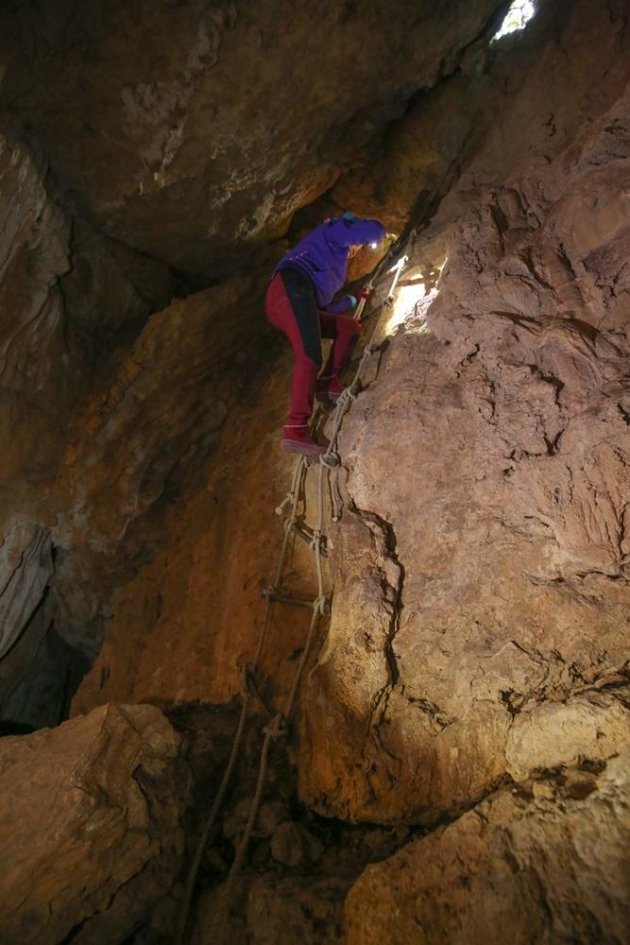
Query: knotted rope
329, 463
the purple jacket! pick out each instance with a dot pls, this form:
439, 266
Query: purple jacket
322, 256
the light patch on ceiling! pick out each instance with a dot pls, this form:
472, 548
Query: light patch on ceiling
517, 17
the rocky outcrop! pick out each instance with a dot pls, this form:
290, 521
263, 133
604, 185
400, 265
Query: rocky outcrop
184, 626
544, 862
90, 816
558, 86
280, 910
476, 646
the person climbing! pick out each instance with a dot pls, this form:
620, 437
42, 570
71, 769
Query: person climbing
300, 303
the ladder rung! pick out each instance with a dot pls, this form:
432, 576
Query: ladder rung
308, 536
278, 598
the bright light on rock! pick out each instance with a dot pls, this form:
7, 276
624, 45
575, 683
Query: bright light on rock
519, 14
410, 308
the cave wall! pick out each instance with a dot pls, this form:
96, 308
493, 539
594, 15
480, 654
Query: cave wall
59, 307
480, 619
476, 655
91, 814
139, 172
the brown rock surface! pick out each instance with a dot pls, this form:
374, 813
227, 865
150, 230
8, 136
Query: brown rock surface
222, 121
546, 862
133, 443
280, 910
481, 574
90, 822
480, 569
185, 625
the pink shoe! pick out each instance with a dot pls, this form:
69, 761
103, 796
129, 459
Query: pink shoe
329, 388
298, 440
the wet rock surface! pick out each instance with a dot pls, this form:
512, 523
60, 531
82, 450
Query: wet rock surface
91, 816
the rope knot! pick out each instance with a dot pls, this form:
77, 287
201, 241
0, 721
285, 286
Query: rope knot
320, 605
316, 543
346, 397
277, 728
330, 459
288, 499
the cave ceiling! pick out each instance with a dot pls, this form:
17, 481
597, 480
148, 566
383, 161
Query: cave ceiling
193, 131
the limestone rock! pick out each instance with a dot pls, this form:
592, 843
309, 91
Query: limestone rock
525, 866
34, 238
592, 726
189, 619
90, 820
60, 305
270, 815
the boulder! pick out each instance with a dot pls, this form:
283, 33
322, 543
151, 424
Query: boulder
90, 817
542, 862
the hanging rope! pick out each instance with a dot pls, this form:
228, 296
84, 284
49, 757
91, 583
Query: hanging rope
279, 726
329, 463
291, 499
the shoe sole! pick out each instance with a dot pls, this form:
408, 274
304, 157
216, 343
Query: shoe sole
312, 451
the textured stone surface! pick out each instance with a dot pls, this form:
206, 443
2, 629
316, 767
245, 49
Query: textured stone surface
64, 311
481, 573
132, 444
440, 136
186, 624
226, 119
480, 570
90, 819
34, 239
25, 565
546, 862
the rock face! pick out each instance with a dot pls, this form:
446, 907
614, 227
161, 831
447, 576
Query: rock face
545, 863
481, 574
90, 817
59, 304
185, 625
478, 633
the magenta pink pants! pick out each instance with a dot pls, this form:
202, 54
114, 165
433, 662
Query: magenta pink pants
292, 308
